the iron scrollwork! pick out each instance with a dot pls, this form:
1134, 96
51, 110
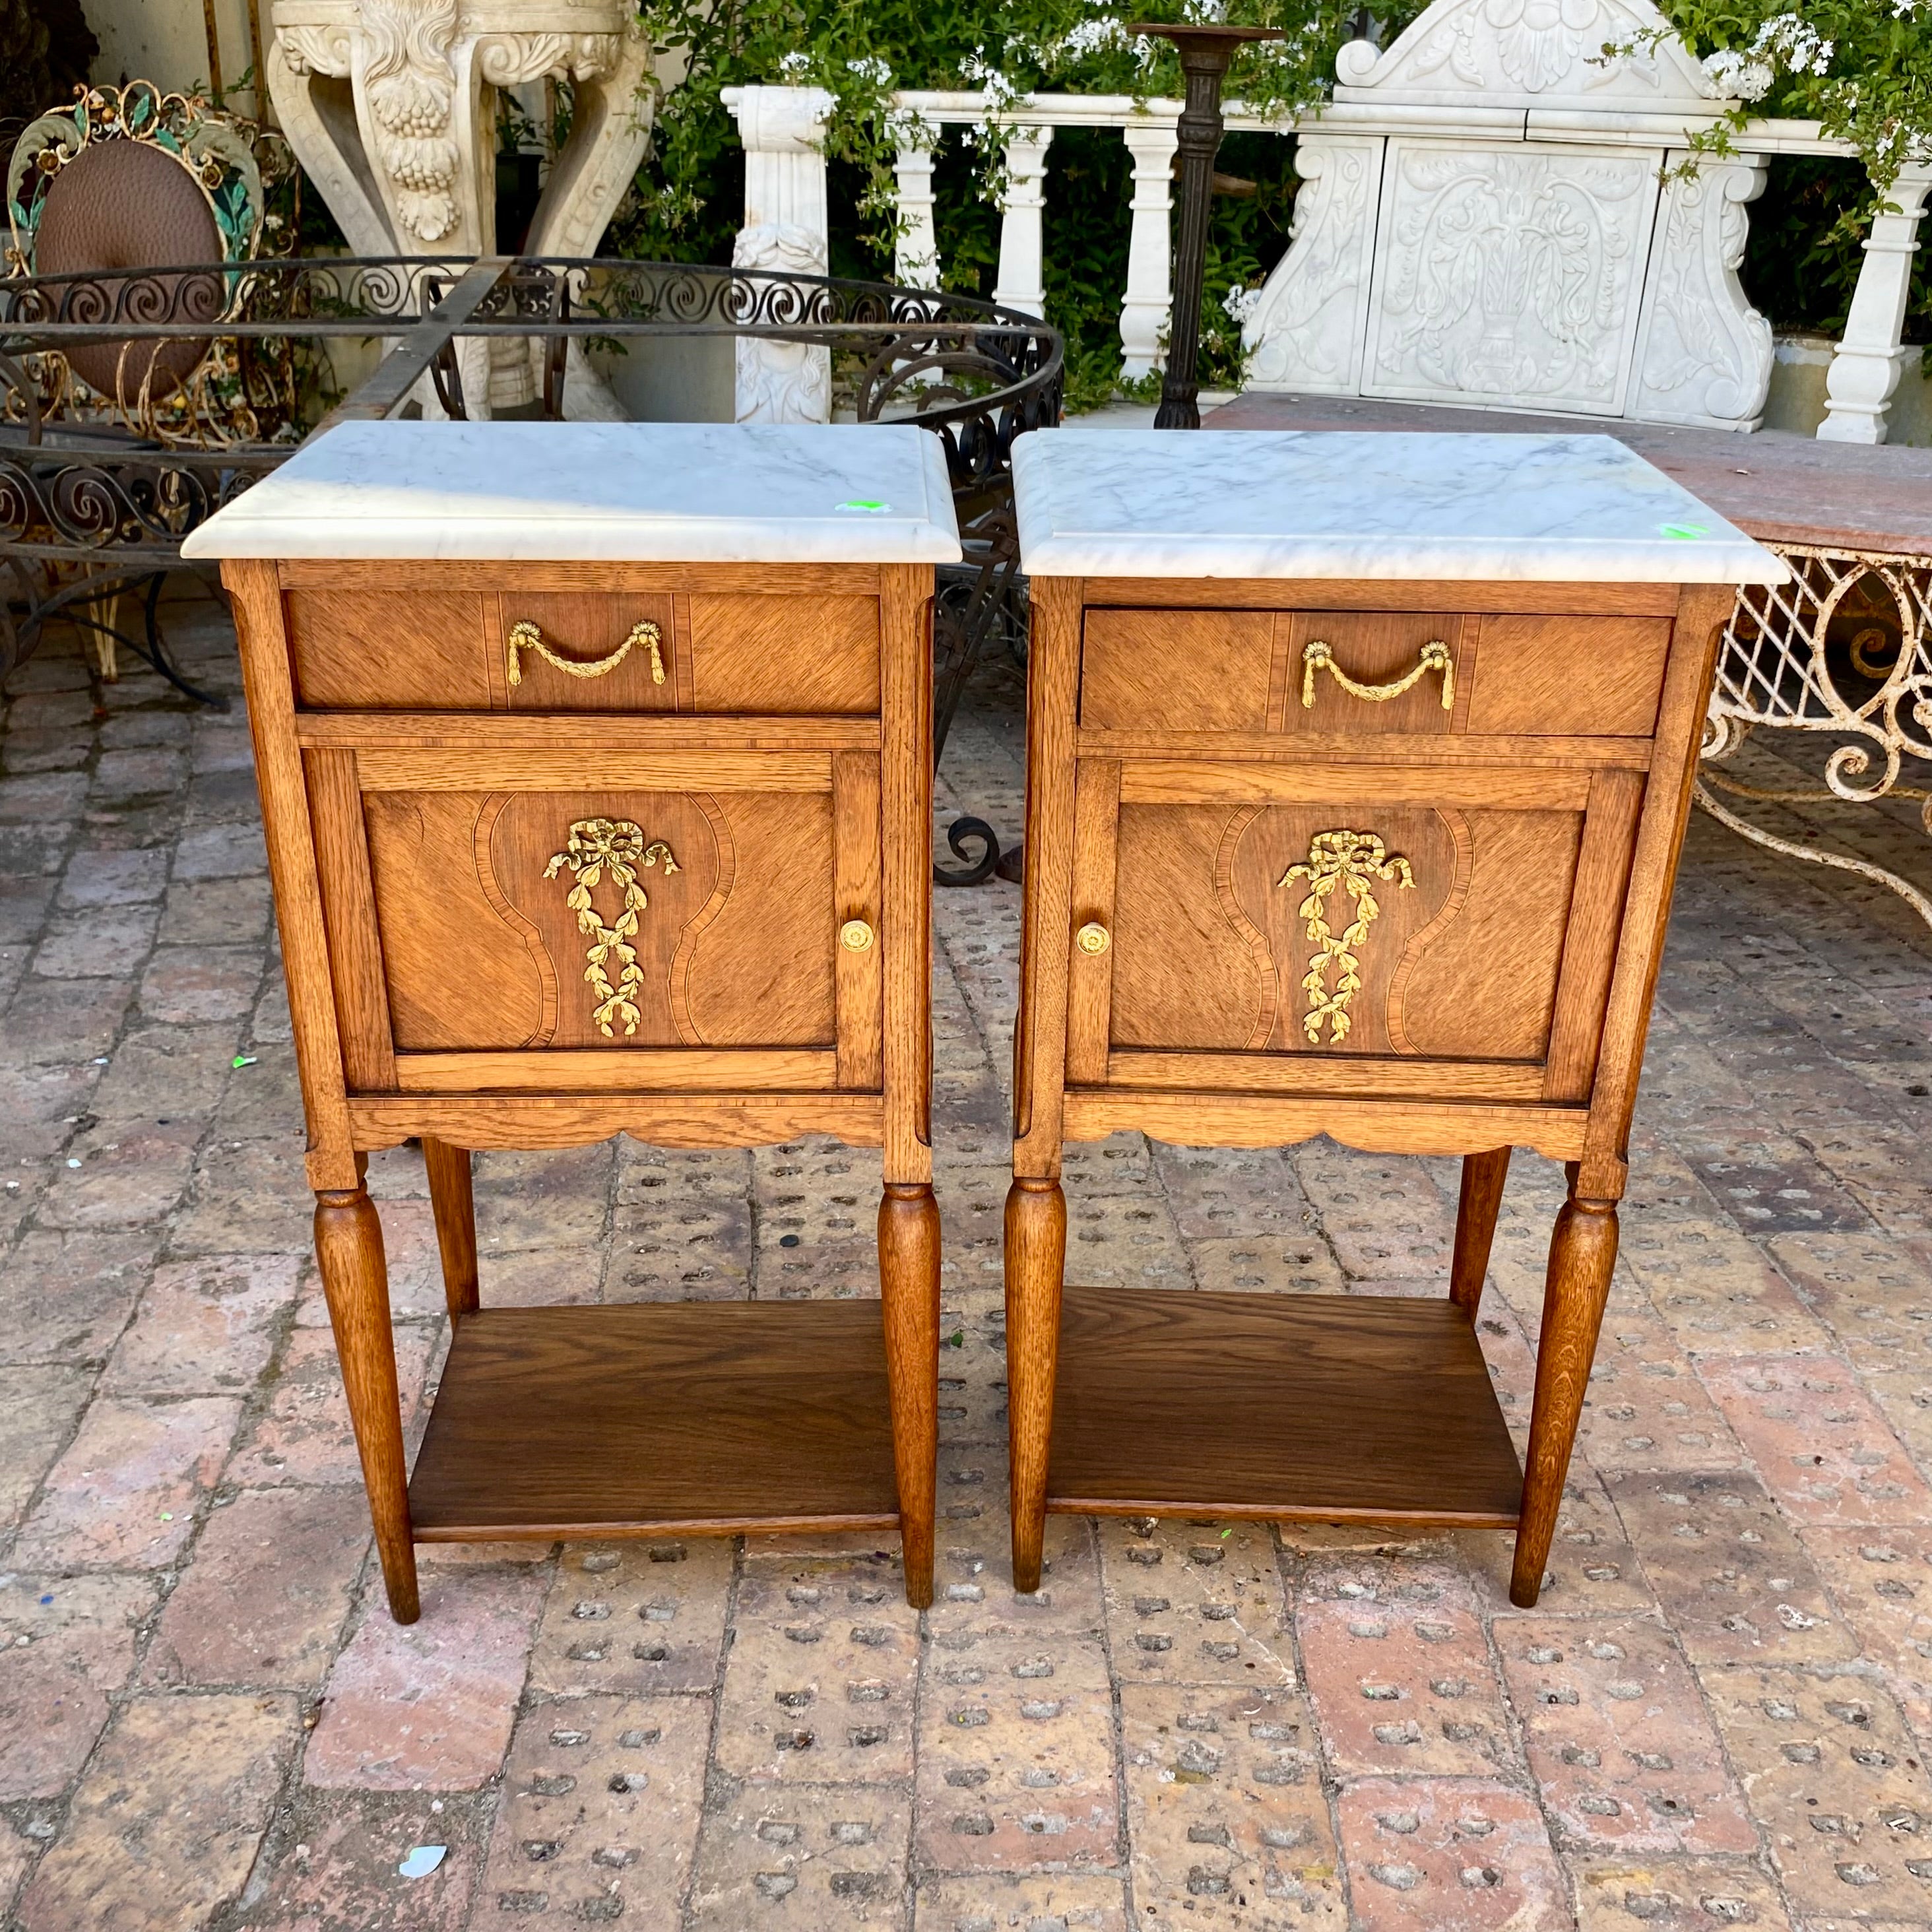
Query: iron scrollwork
1845, 648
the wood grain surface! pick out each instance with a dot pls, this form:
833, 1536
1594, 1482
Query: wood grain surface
1582, 1254
1327, 1408
1373, 1125
703, 1120
715, 1417
452, 1202
391, 576
909, 1294
259, 627
1379, 593
356, 1283
773, 654
485, 734
1481, 1201
1035, 1261
376, 651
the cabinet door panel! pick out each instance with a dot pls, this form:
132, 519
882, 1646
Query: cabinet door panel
1330, 932
525, 919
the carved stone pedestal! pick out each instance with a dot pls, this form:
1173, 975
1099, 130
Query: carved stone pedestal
391, 106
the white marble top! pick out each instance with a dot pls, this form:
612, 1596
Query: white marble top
1389, 504
698, 493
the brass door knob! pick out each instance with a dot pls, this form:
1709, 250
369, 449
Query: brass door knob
856, 936
1092, 937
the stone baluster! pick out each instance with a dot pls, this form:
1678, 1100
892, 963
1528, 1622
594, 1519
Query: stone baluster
1865, 371
1022, 283
916, 252
1150, 297
787, 228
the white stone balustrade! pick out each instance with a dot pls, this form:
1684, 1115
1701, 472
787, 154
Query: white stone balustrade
1684, 346
1022, 279
1864, 372
1149, 300
916, 252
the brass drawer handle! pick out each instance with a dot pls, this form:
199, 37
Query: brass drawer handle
1092, 937
856, 936
1317, 654
525, 636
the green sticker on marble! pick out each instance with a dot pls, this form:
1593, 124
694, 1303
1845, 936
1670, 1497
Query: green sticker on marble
870, 504
1684, 532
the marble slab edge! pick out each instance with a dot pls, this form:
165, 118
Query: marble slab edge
1071, 554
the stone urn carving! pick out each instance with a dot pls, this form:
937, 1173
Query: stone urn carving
391, 107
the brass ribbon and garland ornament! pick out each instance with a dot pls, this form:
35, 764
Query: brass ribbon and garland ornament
526, 636
1353, 860
615, 845
1318, 654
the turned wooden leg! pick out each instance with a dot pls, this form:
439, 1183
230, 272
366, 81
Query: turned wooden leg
909, 1283
1036, 1269
1583, 1252
1482, 1178
348, 1244
454, 1207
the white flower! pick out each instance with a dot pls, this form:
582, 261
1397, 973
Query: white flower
795, 66
1730, 75
1241, 303
1787, 36
873, 68
1092, 37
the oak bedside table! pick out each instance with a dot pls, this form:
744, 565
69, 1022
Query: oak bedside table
595, 764
1357, 770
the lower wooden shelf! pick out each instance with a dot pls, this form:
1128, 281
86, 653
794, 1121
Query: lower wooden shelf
1334, 1408
709, 1418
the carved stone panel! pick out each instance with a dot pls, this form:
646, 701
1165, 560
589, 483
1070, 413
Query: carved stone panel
1509, 274
1703, 353
605, 919
1306, 332
1327, 928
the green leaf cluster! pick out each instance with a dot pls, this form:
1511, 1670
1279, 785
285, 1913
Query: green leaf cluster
688, 199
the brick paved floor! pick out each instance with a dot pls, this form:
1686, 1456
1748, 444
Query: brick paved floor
1717, 1716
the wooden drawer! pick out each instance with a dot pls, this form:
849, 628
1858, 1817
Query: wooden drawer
1251, 672
433, 649
694, 923
1440, 932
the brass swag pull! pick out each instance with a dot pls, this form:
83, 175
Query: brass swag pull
525, 636
1318, 654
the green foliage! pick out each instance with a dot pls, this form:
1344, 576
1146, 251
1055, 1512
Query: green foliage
1802, 259
1862, 68
690, 195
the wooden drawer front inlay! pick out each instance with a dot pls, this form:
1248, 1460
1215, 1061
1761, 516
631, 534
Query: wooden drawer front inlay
785, 654
500, 930
1350, 673
1177, 671
635, 651
1546, 676
367, 650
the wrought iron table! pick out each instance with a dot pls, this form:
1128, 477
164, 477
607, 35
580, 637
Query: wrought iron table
97, 491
